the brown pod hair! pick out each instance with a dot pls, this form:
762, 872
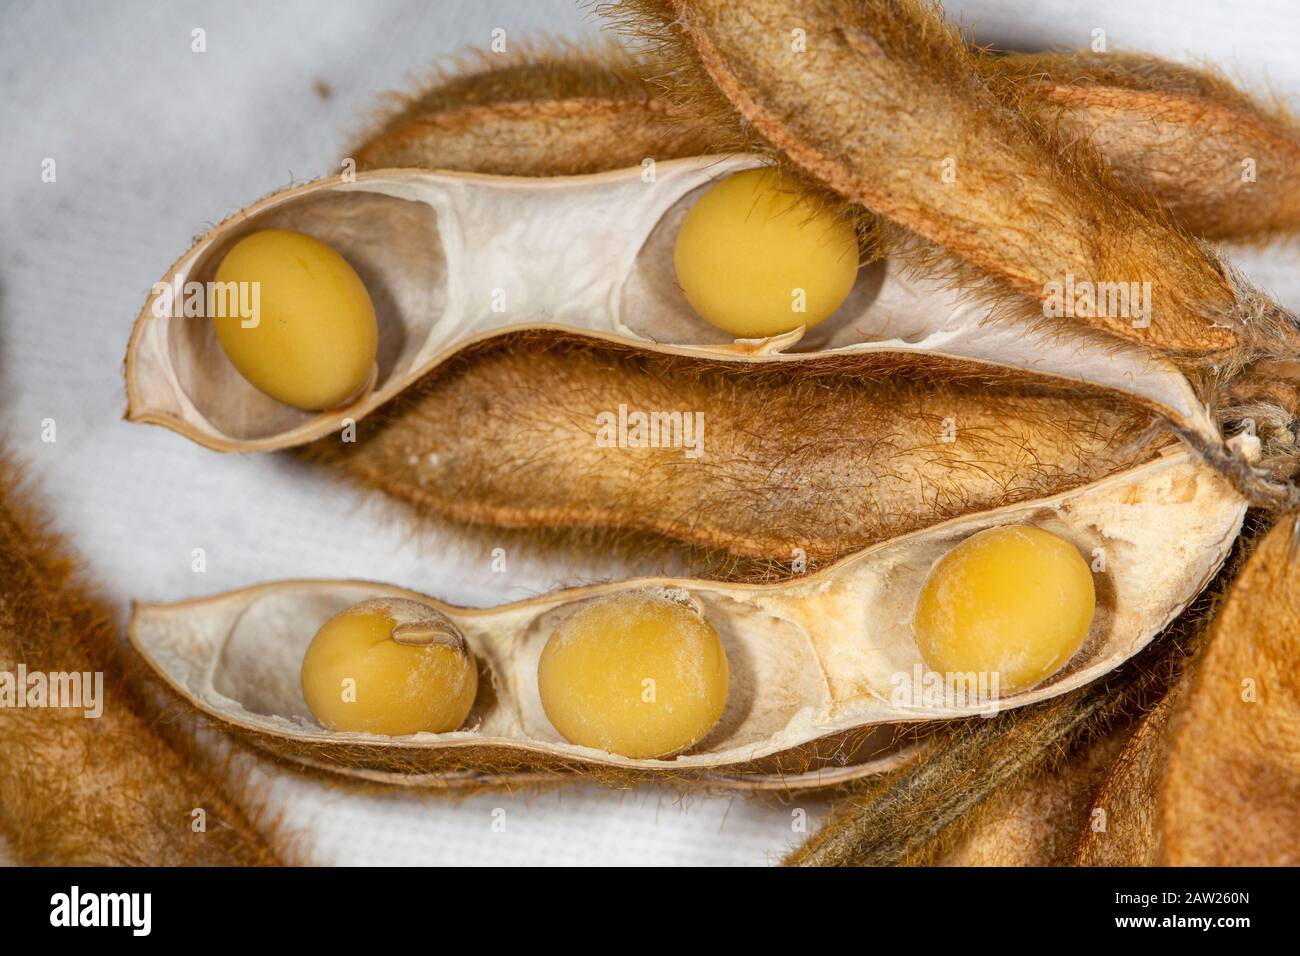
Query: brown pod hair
1036, 822
108, 791
588, 108
1175, 132
847, 453
1224, 165
1212, 776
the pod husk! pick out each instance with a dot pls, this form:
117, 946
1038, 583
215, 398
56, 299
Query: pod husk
120, 789
809, 658
1084, 779
430, 247
1036, 822
1176, 133
1212, 776
1128, 794
590, 108
846, 454
975, 771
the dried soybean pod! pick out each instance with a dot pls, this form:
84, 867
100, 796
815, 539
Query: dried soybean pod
1122, 827
1219, 762
1224, 165
853, 451
812, 657
884, 104
914, 815
1177, 132
1035, 824
907, 817
105, 791
549, 110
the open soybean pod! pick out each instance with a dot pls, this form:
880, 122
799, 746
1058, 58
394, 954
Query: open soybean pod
825, 656
452, 259
885, 104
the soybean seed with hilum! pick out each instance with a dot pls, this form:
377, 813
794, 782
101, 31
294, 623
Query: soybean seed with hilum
392, 667
1016, 602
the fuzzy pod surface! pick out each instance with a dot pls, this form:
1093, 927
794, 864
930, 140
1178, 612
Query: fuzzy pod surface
113, 790
1224, 165
828, 460
1212, 776
589, 110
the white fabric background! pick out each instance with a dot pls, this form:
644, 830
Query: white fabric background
155, 143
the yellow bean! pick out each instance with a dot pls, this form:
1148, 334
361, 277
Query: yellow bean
1015, 601
634, 674
389, 666
313, 339
756, 257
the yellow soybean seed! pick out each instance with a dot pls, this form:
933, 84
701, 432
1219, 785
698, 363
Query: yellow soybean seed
1016, 601
313, 339
389, 666
756, 257
634, 674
